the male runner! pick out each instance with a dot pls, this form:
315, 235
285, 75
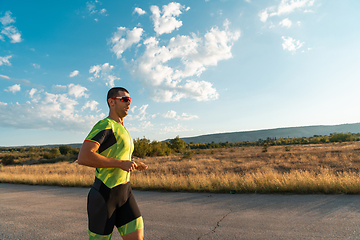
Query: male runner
108, 149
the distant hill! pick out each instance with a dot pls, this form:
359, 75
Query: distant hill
252, 136
291, 132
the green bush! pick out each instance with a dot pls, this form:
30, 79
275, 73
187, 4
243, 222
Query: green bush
341, 137
144, 148
68, 150
265, 148
53, 153
159, 149
188, 154
8, 160
177, 144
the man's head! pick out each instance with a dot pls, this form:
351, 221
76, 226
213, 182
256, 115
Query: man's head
119, 101
115, 92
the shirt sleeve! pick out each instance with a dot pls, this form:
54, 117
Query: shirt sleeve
103, 135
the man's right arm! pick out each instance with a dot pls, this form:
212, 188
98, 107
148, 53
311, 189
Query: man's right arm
89, 157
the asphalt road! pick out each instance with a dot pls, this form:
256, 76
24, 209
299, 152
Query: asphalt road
42, 212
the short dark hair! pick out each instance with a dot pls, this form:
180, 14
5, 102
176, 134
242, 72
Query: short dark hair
113, 92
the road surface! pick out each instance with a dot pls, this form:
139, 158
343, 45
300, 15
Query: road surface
43, 212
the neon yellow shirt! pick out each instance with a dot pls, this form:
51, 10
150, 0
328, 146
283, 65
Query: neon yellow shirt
114, 142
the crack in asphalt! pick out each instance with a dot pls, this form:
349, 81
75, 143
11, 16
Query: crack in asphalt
217, 225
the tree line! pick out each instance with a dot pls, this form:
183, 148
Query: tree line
316, 139
13, 155
145, 148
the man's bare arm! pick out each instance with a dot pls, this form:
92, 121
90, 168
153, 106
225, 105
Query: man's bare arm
89, 157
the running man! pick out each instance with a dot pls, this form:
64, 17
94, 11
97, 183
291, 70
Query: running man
108, 149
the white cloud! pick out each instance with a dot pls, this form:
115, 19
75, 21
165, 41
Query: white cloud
120, 44
291, 44
36, 65
139, 11
92, 8
103, 72
55, 111
264, 15
308, 11
184, 116
173, 129
201, 91
15, 88
146, 124
12, 33
132, 109
92, 105
142, 112
170, 114
5, 60
165, 21
3, 76
103, 11
7, 19
9, 31
32, 92
74, 73
139, 113
286, 23
298, 23
77, 91
34, 95
194, 54
285, 7
59, 88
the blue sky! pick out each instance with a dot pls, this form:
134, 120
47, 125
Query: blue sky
191, 67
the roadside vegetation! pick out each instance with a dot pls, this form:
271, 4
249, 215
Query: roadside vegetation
320, 164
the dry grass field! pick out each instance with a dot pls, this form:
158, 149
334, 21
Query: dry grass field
304, 169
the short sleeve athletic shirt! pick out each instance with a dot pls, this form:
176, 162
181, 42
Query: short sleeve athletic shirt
114, 142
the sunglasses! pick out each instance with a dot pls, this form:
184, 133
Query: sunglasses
123, 99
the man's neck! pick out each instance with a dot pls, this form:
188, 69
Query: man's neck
116, 119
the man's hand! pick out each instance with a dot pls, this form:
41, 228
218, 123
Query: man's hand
129, 166
140, 166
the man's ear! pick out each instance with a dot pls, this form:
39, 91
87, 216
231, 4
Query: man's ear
111, 102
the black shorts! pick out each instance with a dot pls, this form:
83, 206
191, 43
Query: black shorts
109, 207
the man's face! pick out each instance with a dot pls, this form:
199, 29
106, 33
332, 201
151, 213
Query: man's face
121, 107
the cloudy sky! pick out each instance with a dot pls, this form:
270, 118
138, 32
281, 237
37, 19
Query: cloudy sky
191, 67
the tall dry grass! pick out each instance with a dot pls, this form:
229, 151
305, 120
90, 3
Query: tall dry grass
59, 174
320, 168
